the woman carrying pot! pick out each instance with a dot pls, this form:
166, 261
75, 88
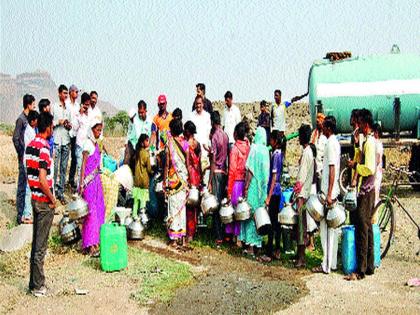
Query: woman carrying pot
256, 184
91, 190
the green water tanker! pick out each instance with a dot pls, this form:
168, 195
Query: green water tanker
386, 85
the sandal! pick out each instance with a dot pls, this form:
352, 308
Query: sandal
264, 259
318, 270
352, 277
277, 255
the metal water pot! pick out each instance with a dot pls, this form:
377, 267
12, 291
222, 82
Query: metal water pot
144, 219
209, 203
350, 199
193, 197
69, 231
243, 210
121, 213
262, 221
336, 216
77, 209
315, 206
288, 215
135, 231
128, 220
226, 212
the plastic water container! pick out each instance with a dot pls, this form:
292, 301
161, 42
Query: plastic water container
109, 163
113, 243
376, 245
348, 249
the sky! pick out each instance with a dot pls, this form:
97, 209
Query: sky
132, 50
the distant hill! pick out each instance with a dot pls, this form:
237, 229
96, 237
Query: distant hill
39, 84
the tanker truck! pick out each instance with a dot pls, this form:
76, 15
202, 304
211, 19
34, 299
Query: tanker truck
388, 85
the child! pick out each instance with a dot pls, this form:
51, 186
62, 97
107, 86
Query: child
194, 174
264, 119
236, 176
142, 171
30, 133
278, 144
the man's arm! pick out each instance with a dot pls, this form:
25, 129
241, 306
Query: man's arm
331, 178
43, 185
17, 136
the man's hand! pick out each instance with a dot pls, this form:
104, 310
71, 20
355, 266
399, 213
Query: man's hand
351, 164
329, 201
52, 204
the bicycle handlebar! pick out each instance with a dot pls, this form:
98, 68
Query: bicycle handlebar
401, 169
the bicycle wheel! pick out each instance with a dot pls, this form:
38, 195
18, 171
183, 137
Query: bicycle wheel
386, 221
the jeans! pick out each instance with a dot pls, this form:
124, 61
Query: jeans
60, 168
219, 184
27, 212
73, 163
21, 190
42, 221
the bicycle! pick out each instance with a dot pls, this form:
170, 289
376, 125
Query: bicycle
384, 210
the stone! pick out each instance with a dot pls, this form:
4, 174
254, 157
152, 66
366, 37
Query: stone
16, 238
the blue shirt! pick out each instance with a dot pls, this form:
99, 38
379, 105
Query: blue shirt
276, 167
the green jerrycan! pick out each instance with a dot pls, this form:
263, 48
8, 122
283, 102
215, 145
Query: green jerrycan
113, 240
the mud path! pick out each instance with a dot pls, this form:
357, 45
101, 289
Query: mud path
229, 284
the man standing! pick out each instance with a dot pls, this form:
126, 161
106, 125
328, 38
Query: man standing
73, 107
201, 91
218, 169
94, 112
161, 124
18, 142
62, 127
362, 218
278, 113
231, 117
38, 163
202, 121
330, 188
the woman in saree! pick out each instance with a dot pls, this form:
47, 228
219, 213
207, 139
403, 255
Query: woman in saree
256, 184
91, 190
175, 183
195, 175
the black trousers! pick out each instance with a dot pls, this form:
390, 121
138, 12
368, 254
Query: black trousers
42, 220
275, 233
362, 218
219, 184
73, 163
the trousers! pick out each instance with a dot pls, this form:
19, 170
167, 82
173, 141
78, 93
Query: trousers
21, 190
329, 242
73, 163
43, 217
219, 184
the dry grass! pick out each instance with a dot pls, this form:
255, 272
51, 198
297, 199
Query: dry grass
8, 163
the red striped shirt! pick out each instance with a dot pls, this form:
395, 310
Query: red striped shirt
37, 156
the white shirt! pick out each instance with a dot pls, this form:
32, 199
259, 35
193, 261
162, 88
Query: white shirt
95, 114
379, 155
81, 125
332, 155
203, 124
279, 117
231, 118
74, 109
306, 172
320, 147
61, 134
29, 135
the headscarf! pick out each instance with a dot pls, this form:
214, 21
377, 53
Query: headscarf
92, 124
259, 160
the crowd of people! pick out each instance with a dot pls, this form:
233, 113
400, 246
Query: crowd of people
206, 150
